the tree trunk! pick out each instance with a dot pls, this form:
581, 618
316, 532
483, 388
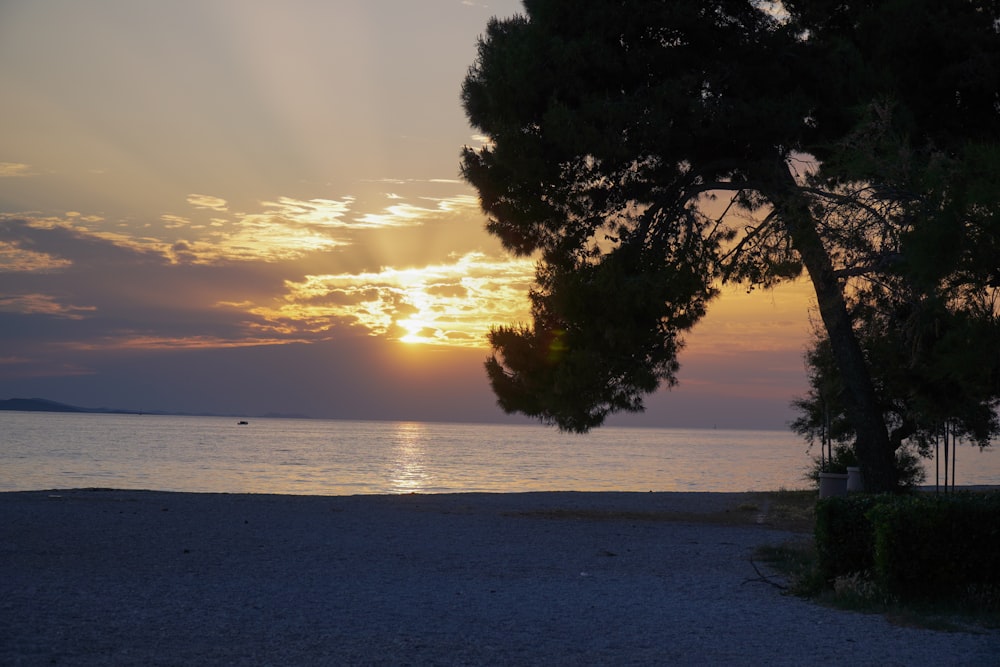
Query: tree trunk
937, 462
873, 447
954, 458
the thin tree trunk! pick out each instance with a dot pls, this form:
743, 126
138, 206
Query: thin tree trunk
954, 459
824, 439
875, 453
937, 461
946, 457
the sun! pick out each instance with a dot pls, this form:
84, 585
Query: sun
418, 331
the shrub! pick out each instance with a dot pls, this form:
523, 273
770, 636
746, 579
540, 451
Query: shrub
844, 537
937, 547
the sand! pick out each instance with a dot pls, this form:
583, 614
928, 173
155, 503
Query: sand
102, 577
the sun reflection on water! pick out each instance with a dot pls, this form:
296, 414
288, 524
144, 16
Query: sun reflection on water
408, 471
328, 457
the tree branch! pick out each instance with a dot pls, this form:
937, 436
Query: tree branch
883, 262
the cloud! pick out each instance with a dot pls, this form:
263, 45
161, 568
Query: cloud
397, 215
453, 303
403, 215
15, 170
174, 221
85, 218
447, 291
263, 277
255, 239
331, 213
208, 202
16, 259
133, 341
407, 181
42, 304
311, 212
283, 230
287, 228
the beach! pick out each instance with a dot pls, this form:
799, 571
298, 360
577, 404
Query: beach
116, 577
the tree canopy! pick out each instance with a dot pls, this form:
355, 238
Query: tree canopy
644, 151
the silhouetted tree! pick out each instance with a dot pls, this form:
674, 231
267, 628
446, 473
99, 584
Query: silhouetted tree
646, 150
936, 370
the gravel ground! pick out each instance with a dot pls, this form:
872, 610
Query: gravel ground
100, 577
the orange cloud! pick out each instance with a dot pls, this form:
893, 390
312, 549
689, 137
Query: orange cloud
15, 170
128, 341
15, 259
208, 201
447, 304
42, 304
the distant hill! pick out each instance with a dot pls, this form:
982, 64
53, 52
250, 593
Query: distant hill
45, 405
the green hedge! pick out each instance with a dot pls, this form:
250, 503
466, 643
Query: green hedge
937, 546
917, 547
845, 543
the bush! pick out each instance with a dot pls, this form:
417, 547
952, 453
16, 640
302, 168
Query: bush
938, 547
845, 540
913, 548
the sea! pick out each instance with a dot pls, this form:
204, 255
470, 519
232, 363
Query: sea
44, 450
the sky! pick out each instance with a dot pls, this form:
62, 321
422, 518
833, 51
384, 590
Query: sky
248, 207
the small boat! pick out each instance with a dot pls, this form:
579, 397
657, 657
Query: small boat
242, 423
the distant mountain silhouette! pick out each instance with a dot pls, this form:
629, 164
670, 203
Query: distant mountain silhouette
45, 405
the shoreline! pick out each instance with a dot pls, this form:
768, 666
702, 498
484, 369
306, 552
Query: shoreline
150, 577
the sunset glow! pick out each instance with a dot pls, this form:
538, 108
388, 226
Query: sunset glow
444, 304
264, 196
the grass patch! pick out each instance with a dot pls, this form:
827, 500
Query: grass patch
724, 518
794, 511
796, 561
785, 510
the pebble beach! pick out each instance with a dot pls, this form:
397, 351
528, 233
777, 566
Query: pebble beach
119, 577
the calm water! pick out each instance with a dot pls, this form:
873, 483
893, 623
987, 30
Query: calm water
320, 457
